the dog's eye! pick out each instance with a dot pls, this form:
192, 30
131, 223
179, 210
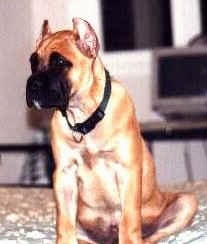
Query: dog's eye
58, 61
34, 61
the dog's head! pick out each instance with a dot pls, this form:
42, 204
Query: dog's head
61, 65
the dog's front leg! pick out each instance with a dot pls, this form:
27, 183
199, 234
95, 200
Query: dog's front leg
66, 191
130, 155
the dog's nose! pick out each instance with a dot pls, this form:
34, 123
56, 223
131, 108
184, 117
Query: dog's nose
36, 85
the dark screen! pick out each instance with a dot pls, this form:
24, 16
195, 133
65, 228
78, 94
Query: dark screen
129, 25
203, 8
118, 25
183, 76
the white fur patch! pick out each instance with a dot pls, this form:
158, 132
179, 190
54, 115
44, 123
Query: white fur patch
37, 105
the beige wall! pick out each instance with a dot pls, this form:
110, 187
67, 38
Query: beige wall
15, 40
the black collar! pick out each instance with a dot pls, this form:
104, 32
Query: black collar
89, 124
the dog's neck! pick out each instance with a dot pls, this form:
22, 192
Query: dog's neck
88, 98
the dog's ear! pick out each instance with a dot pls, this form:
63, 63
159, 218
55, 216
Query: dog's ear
45, 29
86, 39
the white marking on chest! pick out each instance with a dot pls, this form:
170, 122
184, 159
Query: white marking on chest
93, 146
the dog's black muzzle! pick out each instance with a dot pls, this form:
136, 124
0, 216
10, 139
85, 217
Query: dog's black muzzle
47, 89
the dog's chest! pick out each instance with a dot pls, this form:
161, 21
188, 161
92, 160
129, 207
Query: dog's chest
97, 175
98, 182
99, 195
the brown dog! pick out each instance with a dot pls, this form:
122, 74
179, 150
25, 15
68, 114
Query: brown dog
104, 181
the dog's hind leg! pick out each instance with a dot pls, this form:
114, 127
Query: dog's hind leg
177, 215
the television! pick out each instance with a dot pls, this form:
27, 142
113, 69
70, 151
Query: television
179, 82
